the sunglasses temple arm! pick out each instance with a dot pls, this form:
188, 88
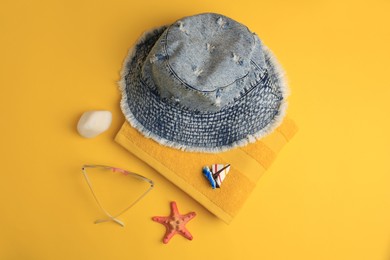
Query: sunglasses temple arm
135, 202
113, 218
110, 218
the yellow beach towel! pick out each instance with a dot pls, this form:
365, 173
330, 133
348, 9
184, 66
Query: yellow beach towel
248, 164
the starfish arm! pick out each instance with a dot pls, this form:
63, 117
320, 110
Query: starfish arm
188, 217
161, 220
168, 235
174, 210
185, 233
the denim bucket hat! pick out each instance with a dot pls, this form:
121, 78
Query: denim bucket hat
204, 84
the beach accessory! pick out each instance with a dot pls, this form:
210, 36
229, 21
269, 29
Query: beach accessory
205, 83
86, 169
93, 123
216, 174
175, 223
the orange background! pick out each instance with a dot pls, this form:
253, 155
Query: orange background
326, 196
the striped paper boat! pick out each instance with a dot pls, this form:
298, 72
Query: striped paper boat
216, 174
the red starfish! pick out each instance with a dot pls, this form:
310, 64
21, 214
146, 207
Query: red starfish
175, 223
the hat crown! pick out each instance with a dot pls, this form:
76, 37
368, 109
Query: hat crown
202, 62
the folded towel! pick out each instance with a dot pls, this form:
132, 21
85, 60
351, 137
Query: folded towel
184, 169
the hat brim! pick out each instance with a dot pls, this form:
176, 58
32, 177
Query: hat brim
246, 120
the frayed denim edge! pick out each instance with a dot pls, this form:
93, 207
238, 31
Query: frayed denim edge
277, 120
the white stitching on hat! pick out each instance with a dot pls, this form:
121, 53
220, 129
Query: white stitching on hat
153, 59
220, 21
218, 98
156, 57
237, 59
218, 101
198, 71
175, 99
181, 27
210, 47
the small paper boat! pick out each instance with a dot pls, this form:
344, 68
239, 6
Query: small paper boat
216, 174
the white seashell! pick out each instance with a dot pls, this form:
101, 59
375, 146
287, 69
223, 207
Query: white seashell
93, 123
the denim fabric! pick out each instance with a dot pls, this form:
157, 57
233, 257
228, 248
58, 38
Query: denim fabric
205, 83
